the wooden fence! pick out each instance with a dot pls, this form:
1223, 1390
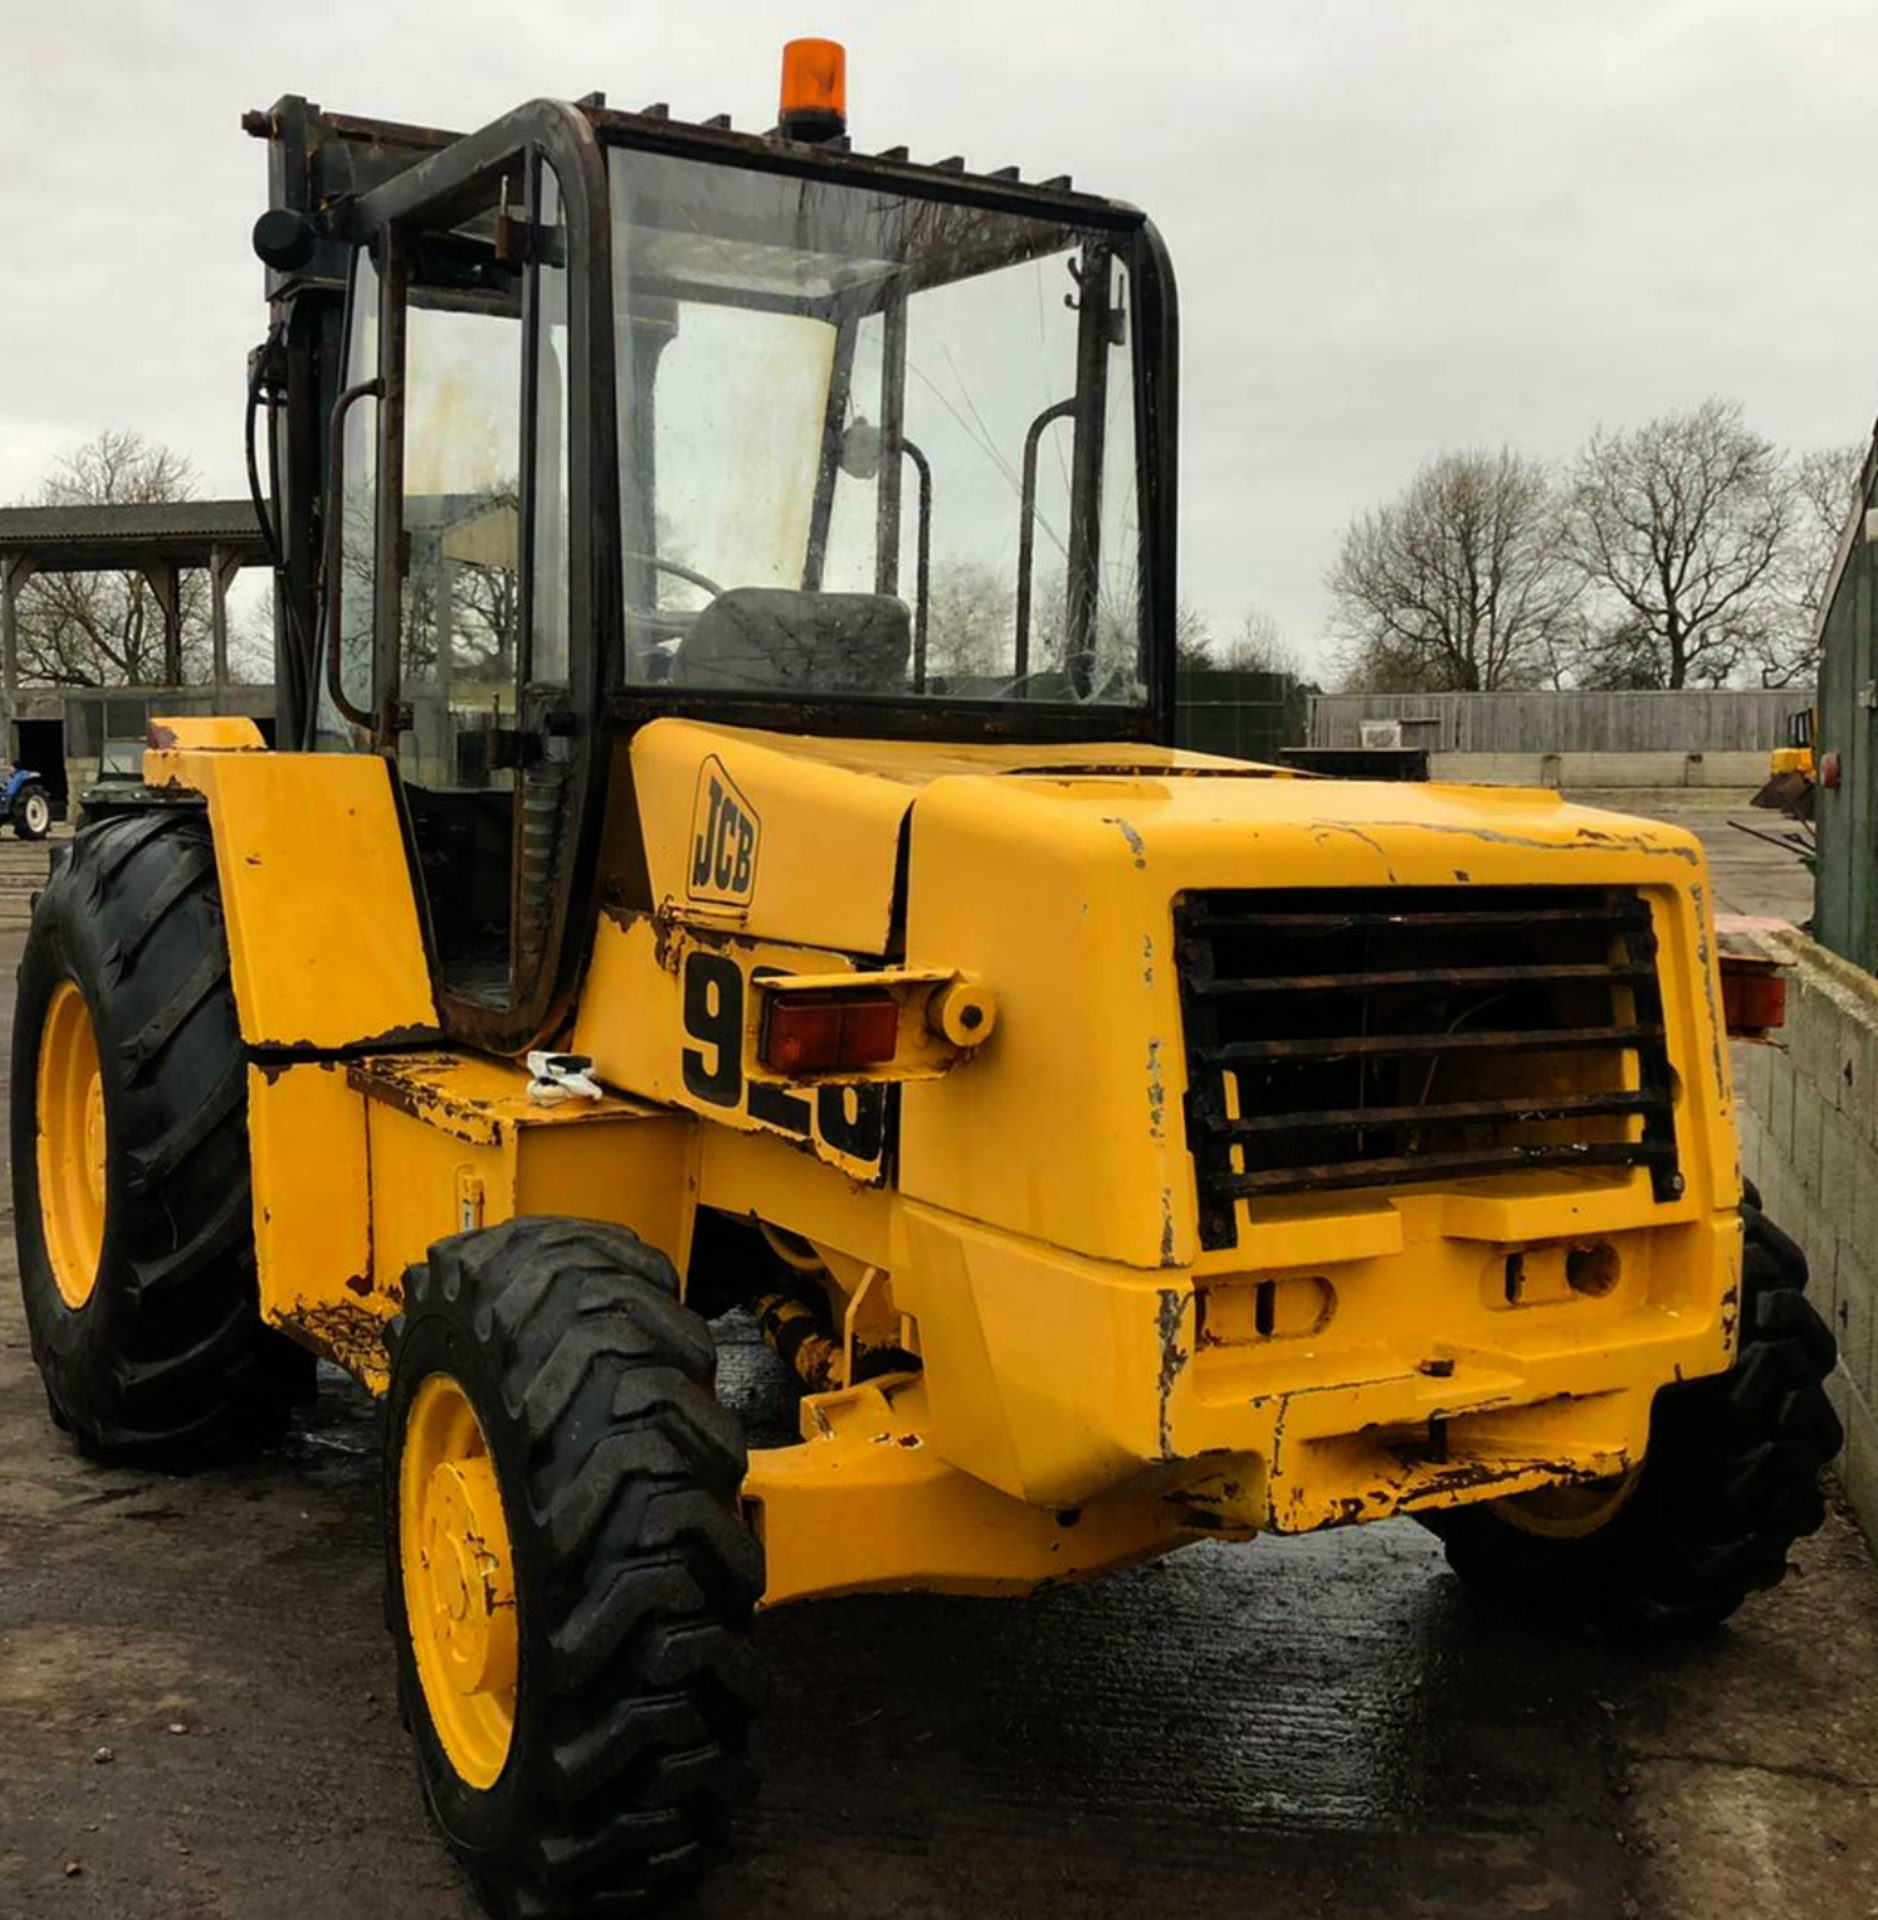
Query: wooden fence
1729, 721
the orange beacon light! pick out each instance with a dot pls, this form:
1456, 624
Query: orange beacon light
814, 90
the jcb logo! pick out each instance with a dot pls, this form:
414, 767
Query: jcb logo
724, 835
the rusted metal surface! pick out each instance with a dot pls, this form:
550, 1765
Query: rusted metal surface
351, 1337
477, 1101
1205, 920
1463, 1165
1439, 1028
794, 1330
1793, 793
1424, 977
417, 1085
1170, 1323
1345, 1046
1564, 1106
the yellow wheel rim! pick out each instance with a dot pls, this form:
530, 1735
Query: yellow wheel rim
1569, 1513
72, 1157
459, 1580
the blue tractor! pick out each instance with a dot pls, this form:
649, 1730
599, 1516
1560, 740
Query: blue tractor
25, 805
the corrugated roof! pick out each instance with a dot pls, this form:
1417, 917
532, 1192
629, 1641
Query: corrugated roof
180, 530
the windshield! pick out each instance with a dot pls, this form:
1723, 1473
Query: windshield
872, 445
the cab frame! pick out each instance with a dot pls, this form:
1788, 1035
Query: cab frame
367, 190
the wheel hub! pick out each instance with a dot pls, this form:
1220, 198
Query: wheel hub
1569, 1512
94, 1138
457, 1569
472, 1590
72, 1145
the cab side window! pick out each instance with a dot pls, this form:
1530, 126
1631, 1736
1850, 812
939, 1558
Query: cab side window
482, 478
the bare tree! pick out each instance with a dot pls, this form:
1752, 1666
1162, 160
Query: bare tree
106, 629
1825, 487
1113, 642
969, 633
487, 604
1259, 645
1457, 584
1193, 637
251, 639
1680, 528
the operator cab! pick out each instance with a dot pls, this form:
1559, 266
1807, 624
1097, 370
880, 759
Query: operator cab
631, 417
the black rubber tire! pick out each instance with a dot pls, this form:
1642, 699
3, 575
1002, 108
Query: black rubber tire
1731, 1480
636, 1579
168, 1360
23, 827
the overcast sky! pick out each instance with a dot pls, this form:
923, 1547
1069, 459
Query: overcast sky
1399, 225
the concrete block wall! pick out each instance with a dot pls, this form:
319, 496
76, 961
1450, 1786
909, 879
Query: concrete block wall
1808, 1118
1590, 771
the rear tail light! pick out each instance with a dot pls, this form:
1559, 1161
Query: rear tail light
830, 1032
1754, 996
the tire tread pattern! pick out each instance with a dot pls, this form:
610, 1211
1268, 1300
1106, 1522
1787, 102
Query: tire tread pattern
637, 1617
1731, 1480
170, 1359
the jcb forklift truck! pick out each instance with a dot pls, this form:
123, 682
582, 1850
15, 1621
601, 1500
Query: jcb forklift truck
734, 858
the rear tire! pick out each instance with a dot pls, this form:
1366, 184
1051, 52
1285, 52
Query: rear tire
141, 1299
31, 812
1730, 1482
623, 1699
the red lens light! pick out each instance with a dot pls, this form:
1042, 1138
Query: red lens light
802, 1039
870, 1030
1753, 1002
829, 1032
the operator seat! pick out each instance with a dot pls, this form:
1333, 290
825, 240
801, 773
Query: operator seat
783, 640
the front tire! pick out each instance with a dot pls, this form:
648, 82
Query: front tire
1730, 1482
132, 1203
570, 1583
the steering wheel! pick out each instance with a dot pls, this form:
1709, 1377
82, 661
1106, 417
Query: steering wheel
649, 630
659, 564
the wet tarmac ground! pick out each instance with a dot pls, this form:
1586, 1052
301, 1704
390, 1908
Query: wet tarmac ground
1754, 858
197, 1723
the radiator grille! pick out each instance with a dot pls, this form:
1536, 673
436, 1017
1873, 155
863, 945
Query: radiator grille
1382, 1037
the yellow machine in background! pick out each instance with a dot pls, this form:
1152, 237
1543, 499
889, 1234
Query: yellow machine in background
1793, 770
729, 858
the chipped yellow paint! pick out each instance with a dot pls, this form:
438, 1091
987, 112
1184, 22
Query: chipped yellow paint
1039, 1232
206, 733
359, 1166
1021, 882
632, 1025
312, 1215
868, 1504
443, 1123
832, 806
1026, 1221
324, 945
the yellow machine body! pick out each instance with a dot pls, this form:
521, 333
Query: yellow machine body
1016, 1207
